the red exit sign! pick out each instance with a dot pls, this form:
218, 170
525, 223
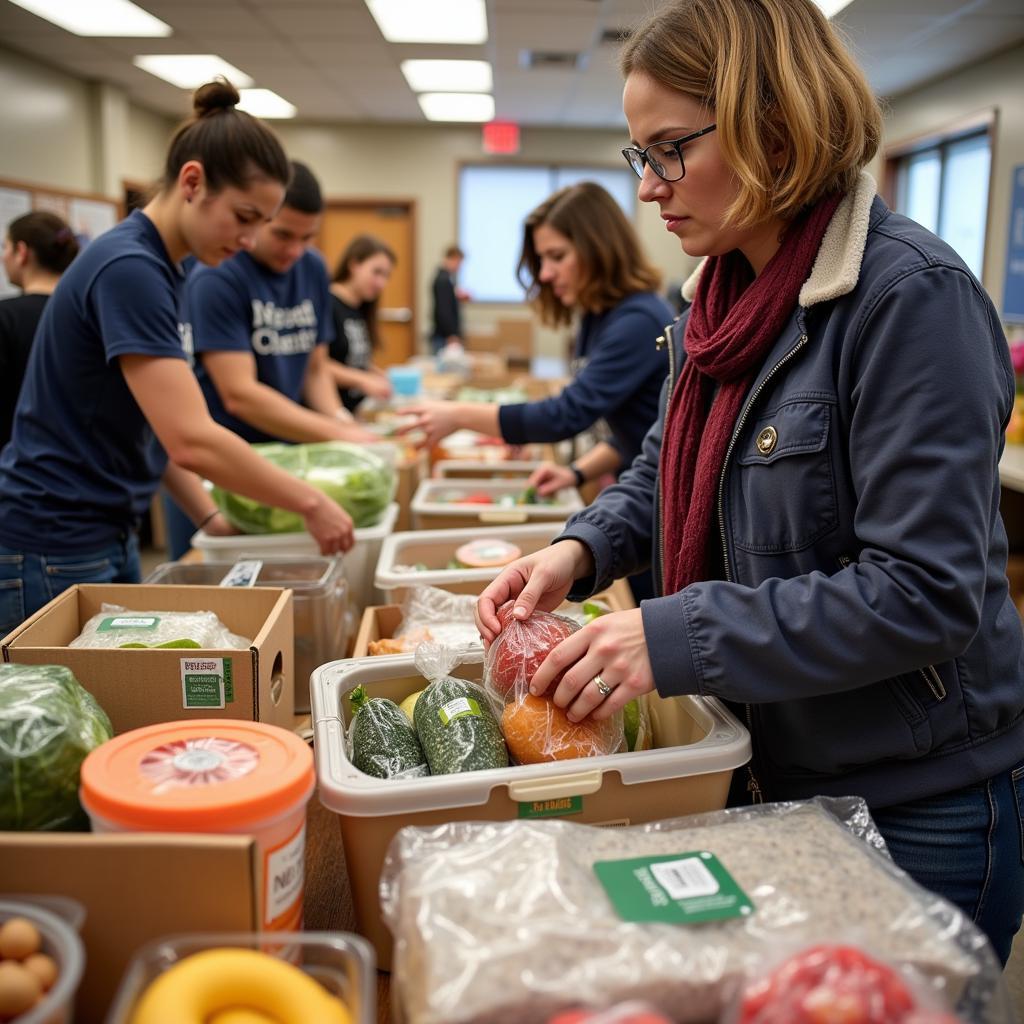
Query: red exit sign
501, 137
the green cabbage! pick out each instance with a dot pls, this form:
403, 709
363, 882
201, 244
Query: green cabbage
360, 481
48, 724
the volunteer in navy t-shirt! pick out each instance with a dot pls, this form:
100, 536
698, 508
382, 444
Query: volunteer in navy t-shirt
243, 306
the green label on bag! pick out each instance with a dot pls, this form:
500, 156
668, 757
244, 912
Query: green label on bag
128, 622
461, 707
677, 888
551, 808
206, 682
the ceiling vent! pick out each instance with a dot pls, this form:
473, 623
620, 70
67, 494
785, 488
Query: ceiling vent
551, 60
614, 36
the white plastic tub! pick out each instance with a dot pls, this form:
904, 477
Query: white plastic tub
435, 548
698, 745
58, 920
510, 469
436, 505
360, 563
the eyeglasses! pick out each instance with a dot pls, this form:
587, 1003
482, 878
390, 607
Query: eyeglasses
667, 159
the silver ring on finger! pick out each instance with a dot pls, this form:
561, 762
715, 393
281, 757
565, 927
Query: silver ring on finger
602, 687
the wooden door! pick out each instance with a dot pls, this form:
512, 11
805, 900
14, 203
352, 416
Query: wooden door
392, 221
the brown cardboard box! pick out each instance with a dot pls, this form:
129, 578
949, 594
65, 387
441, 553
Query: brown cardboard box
142, 687
413, 469
134, 888
380, 621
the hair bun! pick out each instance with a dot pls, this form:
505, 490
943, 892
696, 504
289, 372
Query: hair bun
219, 94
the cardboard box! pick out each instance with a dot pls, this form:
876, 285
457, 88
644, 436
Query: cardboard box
135, 888
143, 687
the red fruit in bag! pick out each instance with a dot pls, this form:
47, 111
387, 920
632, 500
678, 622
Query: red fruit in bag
521, 646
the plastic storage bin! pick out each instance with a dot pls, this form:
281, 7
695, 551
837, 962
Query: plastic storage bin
360, 563
406, 381
698, 745
509, 469
435, 548
342, 963
322, 620
436, 505
58, 920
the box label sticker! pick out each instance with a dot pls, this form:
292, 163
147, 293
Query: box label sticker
128, 622
243, 573
556, 808
677, 888
284, 873
460, 707
206, 682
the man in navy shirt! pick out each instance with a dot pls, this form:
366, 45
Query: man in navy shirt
259, 325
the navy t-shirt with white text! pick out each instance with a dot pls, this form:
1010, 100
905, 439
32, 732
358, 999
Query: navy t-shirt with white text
82, 466
243, 306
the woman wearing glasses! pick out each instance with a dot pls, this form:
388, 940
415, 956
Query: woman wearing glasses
581, 257
820, 495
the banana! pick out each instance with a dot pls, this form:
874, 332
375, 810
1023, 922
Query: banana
203, 986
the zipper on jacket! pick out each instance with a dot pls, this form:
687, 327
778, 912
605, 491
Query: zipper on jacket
844, 561
663, 339
934, 682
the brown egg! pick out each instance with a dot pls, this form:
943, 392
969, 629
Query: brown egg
43, 967
19, 989
19, 938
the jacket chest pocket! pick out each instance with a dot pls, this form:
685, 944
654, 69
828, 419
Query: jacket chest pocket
783, 485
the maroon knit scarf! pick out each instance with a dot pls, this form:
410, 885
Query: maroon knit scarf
734, 321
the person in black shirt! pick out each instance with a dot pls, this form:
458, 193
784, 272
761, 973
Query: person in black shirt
363, 270
38, 248
447, 315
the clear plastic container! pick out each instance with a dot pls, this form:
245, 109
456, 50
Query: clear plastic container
438, 505
342, 963
510, 469
323, 622
359, 563
698, 744
58, 920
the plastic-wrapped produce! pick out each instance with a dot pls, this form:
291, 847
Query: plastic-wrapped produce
535, 728
382, 741
117, 627
517, 921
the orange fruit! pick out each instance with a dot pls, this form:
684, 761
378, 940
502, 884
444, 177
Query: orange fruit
537, 730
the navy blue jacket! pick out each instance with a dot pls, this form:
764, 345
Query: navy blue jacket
620, 380
864, 616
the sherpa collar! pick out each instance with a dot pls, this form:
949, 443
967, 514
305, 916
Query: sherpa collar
837, 265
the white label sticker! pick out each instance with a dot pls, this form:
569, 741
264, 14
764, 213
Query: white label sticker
285, 870
205, 682
243, 573
684, 879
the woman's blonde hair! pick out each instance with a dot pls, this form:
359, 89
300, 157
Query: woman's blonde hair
611, 263
796, 117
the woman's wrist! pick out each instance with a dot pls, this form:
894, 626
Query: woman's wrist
206, 519
581, 477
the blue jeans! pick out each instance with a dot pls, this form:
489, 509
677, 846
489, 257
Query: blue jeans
179, 528
28, 580
967, 846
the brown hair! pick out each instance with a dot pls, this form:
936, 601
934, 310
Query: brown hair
48, 237
611, 263
360, 249
796, 117
233, 146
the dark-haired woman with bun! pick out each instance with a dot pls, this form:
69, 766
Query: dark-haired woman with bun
38, 248
363, 270
108, 372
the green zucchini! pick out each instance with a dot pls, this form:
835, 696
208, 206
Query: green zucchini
382, 741
457, 729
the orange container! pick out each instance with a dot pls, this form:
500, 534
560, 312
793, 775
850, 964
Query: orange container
212, 775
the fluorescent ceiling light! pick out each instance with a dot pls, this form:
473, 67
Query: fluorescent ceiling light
431, 21
190, 70
98, 17
457, 106
264, 103
448, 75
830, 8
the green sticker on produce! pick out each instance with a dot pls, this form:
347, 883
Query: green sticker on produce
206, 683
551, 808
128, 622
460, 707
677, 888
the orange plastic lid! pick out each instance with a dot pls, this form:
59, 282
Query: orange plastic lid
484, 553
210, 775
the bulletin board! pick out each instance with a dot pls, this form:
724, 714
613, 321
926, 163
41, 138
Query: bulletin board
88, 214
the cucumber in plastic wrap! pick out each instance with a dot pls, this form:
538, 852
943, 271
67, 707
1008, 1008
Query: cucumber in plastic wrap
457, 729
381, 740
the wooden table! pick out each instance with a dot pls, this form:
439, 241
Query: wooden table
328, 901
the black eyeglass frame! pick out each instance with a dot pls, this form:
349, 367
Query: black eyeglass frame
676, 144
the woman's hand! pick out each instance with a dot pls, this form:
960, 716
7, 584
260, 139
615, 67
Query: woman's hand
549, 478
376, 385
330, 525
540, 580
612, 648
436, 420
218, 526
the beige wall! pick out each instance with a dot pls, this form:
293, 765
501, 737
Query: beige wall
994, 83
